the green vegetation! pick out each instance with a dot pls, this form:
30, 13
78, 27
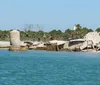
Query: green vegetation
4, 35
98, 29
29, 34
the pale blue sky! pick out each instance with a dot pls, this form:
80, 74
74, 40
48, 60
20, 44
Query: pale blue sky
51, 14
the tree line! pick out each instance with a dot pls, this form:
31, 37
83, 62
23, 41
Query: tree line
41, 35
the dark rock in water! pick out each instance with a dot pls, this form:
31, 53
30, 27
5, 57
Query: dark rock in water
60, 47
40, 48
52, 47
76, 49
48, 47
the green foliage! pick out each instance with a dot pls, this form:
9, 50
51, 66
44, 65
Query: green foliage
40, 35
56, 34
4, 35
79, 27
75, 34
98, 29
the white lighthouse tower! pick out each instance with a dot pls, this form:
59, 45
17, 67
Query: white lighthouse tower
75, 27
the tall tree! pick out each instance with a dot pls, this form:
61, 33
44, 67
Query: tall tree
98, 29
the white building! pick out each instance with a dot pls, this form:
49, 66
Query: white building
75, 27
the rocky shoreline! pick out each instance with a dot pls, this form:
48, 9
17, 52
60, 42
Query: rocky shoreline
46, 46
90, 43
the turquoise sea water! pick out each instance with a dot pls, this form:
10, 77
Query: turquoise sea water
49, 68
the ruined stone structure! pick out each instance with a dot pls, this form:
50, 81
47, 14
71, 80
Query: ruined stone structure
14, 40
94, 37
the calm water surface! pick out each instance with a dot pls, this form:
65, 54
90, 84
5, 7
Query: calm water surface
49, 68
